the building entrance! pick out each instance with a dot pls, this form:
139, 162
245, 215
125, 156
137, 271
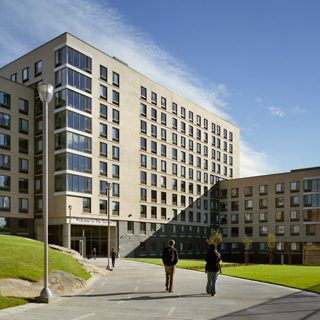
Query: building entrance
86, 238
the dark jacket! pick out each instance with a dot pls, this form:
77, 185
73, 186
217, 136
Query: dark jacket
212, 258
166, 256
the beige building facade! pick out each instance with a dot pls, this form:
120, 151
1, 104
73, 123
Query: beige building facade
109, 123
16, 159
286, 205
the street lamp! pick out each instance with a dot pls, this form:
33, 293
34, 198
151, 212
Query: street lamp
45, 92
108, 188
69, 226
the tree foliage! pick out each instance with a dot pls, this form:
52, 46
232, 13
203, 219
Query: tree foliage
215, 237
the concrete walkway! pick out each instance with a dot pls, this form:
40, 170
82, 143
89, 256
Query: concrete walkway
136, 291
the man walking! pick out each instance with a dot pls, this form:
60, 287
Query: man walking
169, 259
212, 268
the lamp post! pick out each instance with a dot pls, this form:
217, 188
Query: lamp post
108, 188
69, 226
45, 92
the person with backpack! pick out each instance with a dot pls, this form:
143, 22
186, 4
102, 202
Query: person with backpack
213, 258
169, 259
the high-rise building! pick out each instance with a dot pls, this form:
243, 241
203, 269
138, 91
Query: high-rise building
286, 205
110, 123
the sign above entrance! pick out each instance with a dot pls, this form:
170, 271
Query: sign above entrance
92, 222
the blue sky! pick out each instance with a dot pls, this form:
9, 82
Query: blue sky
256, 63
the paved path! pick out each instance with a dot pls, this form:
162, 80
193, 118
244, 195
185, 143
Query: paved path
136, 291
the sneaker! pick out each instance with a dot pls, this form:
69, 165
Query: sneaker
213, 293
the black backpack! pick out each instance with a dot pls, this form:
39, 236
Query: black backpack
170, 255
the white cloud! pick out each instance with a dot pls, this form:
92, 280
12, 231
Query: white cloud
97, 23
253, 162
297, 110
276, 112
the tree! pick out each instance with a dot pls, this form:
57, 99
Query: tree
271, 244
215, 237
246, 243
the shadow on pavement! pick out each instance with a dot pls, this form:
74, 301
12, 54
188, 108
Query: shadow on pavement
300, 305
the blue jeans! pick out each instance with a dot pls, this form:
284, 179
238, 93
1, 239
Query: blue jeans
211, 284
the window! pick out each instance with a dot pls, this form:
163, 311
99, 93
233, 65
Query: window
23, 165
279, 202
23, 126
310, 228
13, 77
263, 230
294, 230
279, 230
234, 232
294, 215
263, 203
294, 186
38, 68
115, 134
279, 187
23, 205
263, 189
153, 212
174, 108
295, 201
143, 110
103, 92
143, 229
153, 114
164, 213
103, 73
154, 179
103, 149
115, 189
86, 204
103, 168
130, 227
67, 97
5, 162
248, 191
143, 144
263, 217
25, 74
153, 163
143, 93
4, 183
115, 97
143, 126
23, 185
5, 100
248, 204
115, 153
115, 79
23, 146
4, 203
248, 217
154, 147
115, 116
279, 216
103, 129
78, 59
235, 192
143, 177
153, 195
115, 171
23, 106
115, 208
163, 103
143, 160
103, 111
5, 121
143, 211
163, 118
143, 194
153, 98
163, 134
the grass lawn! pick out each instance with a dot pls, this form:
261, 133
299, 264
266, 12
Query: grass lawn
22, 258
295, 276
8, 302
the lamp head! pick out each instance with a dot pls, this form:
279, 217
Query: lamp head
45, 92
